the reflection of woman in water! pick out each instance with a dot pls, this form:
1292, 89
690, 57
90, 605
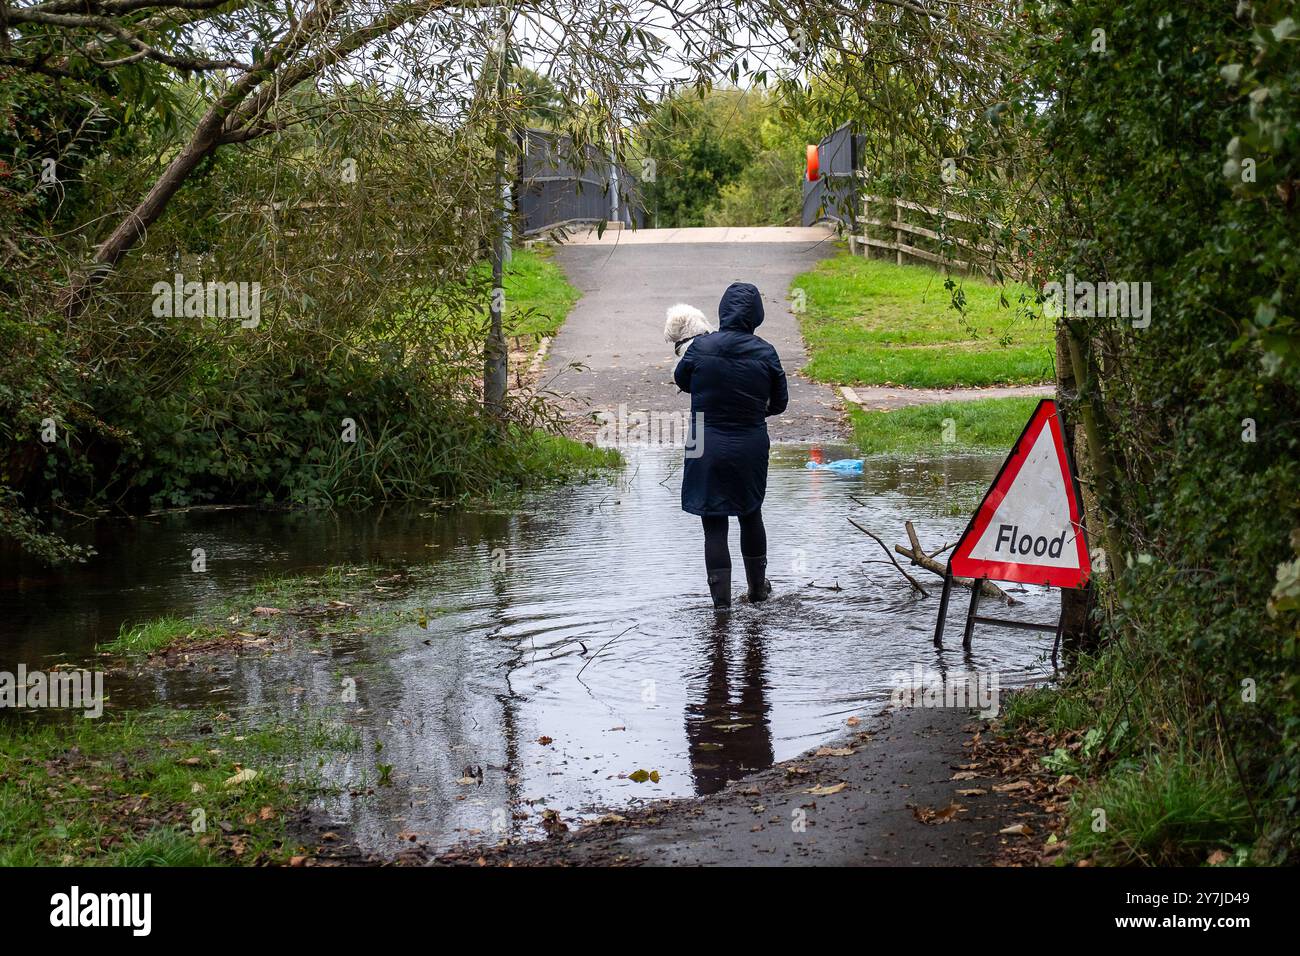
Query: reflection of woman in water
736, 382
729, 738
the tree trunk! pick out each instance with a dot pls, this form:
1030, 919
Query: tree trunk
1078, 631
495, 355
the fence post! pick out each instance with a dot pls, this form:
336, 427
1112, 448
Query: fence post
898, 233
866, 214
615, 214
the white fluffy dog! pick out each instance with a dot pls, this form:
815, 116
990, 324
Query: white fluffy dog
684, 323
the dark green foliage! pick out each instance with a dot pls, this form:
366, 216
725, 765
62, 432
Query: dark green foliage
1144, 150
698, 146
372, 317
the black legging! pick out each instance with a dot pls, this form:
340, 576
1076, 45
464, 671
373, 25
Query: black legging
753, 538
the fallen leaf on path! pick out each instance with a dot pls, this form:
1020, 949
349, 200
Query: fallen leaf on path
973, 792
933, 816
641, 776
266, 611
964, 775
552, 823
1017, 829
545, 741
834, 752
826, 791
1009, 787
853, 721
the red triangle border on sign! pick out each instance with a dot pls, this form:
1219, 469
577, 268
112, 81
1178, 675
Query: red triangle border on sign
962, 565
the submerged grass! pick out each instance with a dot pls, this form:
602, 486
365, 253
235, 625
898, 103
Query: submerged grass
159, 633
335, 600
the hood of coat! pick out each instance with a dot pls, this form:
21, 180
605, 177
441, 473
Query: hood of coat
741, 308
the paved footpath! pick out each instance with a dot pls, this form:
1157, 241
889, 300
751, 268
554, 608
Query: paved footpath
880, 799
628, 279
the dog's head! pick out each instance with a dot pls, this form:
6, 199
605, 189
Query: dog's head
684, 322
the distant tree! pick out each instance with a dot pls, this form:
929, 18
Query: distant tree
539, 101
697, 145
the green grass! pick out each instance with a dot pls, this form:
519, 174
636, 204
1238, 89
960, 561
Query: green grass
538, 296
1168, 812
1140, 803
554, 458
870, 322
123, 790
989, 424
1046, 709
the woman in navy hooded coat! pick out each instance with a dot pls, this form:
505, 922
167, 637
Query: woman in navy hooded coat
736, 382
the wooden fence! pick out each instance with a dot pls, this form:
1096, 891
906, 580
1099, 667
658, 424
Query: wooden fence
912, 230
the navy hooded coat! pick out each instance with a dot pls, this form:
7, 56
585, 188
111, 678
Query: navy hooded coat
736, 381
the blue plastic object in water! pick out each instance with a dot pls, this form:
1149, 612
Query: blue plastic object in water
845, 466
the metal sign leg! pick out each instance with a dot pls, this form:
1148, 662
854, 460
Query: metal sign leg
943, 608
977, 589
1056, 644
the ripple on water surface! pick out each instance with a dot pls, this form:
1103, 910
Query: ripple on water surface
581, 618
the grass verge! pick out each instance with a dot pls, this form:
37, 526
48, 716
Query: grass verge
989, 424
869, 322
159, 788
551, 459
537, 294
1134, 797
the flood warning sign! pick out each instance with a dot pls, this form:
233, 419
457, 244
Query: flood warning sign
1029, 526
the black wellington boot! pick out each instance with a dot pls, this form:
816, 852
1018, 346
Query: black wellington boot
760, 588
720, 589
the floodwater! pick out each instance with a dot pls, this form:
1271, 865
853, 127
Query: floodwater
570, 641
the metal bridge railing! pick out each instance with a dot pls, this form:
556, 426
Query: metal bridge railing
558, 184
